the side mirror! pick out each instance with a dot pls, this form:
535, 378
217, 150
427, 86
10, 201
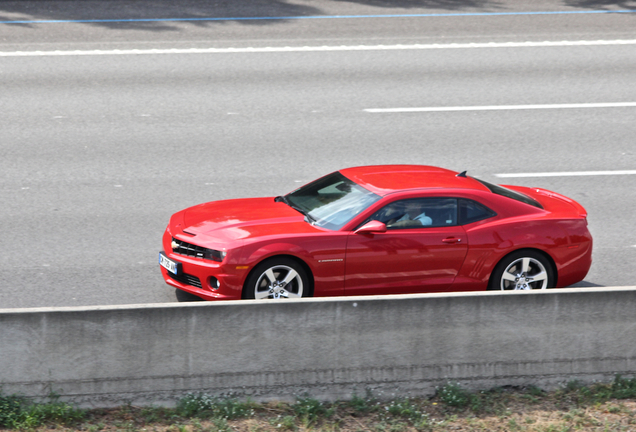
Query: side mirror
372, 227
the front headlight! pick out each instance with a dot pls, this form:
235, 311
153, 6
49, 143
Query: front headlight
188, 249
214, 255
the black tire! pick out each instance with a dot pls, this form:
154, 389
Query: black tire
523, 270
277, 278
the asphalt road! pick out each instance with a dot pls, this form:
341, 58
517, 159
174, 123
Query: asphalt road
98, 147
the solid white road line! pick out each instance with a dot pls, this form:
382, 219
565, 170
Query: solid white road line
502, 107
315, 48
567, 174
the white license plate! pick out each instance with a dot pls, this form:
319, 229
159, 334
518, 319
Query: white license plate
168, 264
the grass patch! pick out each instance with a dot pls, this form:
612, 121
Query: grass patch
573, 407
452, 394
203, 406
21, 414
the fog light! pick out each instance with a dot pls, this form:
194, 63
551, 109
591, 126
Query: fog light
214, 283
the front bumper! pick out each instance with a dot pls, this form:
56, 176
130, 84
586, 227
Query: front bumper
206, 279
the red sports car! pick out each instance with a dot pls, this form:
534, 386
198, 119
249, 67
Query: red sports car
379, 230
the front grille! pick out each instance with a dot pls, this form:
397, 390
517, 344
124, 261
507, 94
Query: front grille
188, 249
187, 279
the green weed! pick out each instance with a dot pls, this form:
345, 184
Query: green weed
19, 413
404, 408
311, 409
284, 423
452, 394
363, 404
10, 408
206, 406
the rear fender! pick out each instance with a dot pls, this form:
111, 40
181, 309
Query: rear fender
546, 255
489, 244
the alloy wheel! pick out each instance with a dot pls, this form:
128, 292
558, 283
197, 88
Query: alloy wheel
524, 274
278, 282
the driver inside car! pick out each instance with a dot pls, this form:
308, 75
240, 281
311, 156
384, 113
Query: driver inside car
413, 216
414, 213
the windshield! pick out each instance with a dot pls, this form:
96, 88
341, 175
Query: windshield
332, 201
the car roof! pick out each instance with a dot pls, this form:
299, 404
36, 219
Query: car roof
386, 179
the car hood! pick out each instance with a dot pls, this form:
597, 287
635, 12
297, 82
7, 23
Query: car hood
244, 218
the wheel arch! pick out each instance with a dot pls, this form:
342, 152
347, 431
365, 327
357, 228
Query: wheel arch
299, 261
543, 253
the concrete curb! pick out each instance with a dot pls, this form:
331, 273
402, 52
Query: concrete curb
327, 348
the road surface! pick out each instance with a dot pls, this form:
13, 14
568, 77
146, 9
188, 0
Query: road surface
112, 119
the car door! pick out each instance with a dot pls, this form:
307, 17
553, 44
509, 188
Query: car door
421, 252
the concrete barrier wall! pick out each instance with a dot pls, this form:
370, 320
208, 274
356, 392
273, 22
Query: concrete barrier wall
324, 348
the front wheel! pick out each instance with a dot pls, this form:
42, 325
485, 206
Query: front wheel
522, 270
277, 278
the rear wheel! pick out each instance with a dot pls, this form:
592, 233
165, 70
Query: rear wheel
523, 270
277, 278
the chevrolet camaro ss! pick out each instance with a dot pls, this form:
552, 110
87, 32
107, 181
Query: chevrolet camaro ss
369, 230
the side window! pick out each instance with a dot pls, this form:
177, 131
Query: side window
471, 211
418, 213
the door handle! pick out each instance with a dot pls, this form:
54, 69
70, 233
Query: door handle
452, 240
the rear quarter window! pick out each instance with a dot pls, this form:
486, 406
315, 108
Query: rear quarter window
500, 190
471, 211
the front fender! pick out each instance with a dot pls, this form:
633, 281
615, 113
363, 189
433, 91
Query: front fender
323, 257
